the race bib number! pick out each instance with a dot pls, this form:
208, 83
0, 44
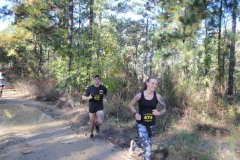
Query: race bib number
148, 118
96, 97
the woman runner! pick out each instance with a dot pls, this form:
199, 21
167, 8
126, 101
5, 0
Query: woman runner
145, 116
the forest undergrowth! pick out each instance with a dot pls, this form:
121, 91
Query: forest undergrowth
196, 129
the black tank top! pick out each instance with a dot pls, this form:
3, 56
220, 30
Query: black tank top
145, 109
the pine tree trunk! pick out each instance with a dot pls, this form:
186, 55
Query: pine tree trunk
220, 58
90, 36
91, 18
40, 60
232, 59
70, 30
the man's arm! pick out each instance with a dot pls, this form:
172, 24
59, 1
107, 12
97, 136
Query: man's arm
105, 97
87, 95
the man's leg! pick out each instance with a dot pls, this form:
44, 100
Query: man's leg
92, 123
99, 120
100, 117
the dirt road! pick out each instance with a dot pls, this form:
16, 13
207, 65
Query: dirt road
46, 138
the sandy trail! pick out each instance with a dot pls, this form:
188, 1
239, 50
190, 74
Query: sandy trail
50, 140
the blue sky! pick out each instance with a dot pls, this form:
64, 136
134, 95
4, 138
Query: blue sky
4, 23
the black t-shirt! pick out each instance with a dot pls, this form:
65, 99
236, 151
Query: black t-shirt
97, 97
145, 109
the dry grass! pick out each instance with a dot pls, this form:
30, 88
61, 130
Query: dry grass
202, 134
38, 88
194, 130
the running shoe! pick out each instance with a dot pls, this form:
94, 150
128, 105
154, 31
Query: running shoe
133, 146
91, 135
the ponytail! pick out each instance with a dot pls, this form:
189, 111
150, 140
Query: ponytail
144, 86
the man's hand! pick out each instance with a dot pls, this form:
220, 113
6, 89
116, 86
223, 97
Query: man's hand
90, 96
105, 100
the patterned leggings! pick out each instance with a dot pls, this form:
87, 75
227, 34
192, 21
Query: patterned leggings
145, 133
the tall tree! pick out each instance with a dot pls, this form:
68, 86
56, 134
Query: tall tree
91, 19
232, 59
220, 58
70, 32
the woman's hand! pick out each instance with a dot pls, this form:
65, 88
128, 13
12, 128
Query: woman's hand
155, 112
138, 116
158, 113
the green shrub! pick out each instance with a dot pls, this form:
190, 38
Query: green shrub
190, 146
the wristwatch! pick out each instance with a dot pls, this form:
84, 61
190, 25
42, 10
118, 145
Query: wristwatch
134, 113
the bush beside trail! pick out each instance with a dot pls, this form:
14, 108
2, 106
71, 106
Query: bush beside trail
195, 129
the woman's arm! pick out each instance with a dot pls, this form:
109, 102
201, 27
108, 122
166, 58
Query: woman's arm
132, 104
161, 101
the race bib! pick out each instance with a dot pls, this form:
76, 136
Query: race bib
96, 97
148, 119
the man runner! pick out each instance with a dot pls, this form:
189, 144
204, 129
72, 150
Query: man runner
96, 94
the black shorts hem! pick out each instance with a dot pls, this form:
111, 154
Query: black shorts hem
95, 110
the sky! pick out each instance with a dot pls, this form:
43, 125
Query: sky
4, 23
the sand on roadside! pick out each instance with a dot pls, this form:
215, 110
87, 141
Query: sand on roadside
53, 140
